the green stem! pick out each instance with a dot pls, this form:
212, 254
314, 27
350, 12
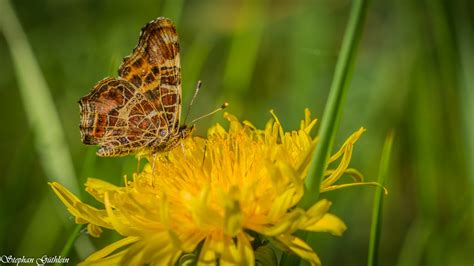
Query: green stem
378, 202
333, 110
70, 242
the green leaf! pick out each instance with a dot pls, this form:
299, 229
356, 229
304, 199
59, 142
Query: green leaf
332, 111
378, 202
265, 255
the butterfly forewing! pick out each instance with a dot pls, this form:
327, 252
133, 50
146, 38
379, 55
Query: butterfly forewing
139, 111
154, 67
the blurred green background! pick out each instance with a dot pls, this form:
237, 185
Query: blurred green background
414, 74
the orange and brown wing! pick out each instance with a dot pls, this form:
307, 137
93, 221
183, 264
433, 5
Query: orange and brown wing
154, 68
120, 119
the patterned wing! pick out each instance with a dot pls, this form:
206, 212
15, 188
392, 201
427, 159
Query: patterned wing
154, 68
119, 118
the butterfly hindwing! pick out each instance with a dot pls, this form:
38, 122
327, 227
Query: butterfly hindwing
119, 118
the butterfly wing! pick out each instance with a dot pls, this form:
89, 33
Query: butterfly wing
119, 118
154, 68
140, 110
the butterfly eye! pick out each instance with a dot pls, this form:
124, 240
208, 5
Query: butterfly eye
163, 132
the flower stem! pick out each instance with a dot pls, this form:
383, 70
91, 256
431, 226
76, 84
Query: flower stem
378, 201
70, 242
333, 110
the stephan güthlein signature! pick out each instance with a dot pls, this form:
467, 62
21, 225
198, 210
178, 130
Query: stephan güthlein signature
9, 259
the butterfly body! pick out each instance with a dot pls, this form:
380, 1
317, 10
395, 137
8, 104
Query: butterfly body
139, 111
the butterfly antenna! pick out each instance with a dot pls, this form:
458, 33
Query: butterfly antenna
222, 107
198, 87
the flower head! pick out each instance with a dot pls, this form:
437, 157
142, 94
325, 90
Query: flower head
221, 197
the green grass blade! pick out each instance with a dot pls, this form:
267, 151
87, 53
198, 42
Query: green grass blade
243, 52
39, 106
333, 110
70, 242
466, 42
378, 202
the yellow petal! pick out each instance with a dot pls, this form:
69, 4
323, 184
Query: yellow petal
83, 212
351, 140
232, 213
216, 130
94, 230
287, 224
235, 125
328, 223
304, 161
97, 188
200, 210
207, 256
69, 199
240, 253
346, 152
308, 123
93, 215
300, 248
280, 205
100, 254
114, 259
245, 250
117, 223
319, 209
158, 249
280, 127
64, 194
249, 124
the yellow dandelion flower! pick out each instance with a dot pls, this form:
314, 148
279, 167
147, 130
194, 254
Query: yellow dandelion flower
220, 198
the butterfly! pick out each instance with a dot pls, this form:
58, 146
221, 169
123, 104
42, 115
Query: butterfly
139, 111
